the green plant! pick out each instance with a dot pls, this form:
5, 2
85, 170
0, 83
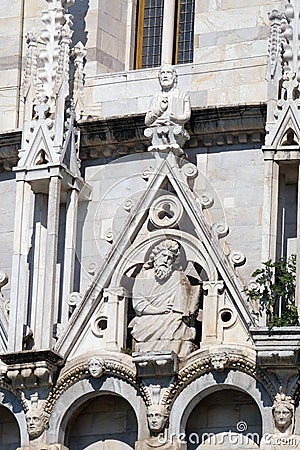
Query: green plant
274, 290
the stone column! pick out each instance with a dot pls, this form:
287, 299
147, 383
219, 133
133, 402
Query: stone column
270, 206
168, 32
20, 271
116, 311
70, 249
210, 310
50, 303
38, 264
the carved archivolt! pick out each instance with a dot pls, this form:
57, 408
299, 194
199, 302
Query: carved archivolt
81, 371
206, 364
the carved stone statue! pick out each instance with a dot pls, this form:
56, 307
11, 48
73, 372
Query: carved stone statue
283, 411
96, 367
157, 417
37, 422
164, 303
169, 111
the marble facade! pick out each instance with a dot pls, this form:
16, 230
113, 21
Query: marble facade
135, 206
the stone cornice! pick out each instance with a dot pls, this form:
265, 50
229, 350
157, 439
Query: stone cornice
119, 136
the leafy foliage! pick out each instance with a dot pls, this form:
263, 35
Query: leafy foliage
275, 291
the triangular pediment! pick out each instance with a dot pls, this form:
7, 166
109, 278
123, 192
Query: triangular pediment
287, 122
132, 243
40, 149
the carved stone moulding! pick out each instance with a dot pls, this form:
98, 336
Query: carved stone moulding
278, 347
29, 369
116, 137
45, 447
156, 364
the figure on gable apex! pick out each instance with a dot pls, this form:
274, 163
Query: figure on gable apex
283, 412
165, 303
169, 111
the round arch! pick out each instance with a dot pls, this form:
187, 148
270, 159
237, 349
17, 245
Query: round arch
194, 250
14, 407
107, 419
207, 384
84, 390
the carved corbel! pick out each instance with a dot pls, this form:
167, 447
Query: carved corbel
31, 370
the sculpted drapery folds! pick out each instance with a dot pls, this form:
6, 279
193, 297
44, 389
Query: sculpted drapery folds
163, 304
170, 106
169, 110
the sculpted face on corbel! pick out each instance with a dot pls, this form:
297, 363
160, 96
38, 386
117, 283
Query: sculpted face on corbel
96, 367
37, 422
157, 417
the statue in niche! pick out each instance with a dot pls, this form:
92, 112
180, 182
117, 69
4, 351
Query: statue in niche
283, 412
165, 303
96, 367
169, 111
157, 417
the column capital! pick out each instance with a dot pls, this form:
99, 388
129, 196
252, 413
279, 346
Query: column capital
213, 287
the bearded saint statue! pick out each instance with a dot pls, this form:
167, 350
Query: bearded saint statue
164, 302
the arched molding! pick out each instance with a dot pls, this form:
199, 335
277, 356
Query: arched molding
14, 405
89, 388
202, 362
208, 383
118, 365
194, 249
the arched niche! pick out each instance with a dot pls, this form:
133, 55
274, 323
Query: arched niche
207, 384
13, 431
192, 249
194, 260
226, 418
107, 421
9, 430
78, 396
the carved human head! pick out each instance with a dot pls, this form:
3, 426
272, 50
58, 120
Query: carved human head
283, 411
157, 416
167, 76
37, 422
163, 257
96, 367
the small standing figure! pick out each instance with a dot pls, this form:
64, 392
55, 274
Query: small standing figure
165, 303
283, 411
157, 417
169, 111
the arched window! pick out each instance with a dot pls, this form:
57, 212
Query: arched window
165, 32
